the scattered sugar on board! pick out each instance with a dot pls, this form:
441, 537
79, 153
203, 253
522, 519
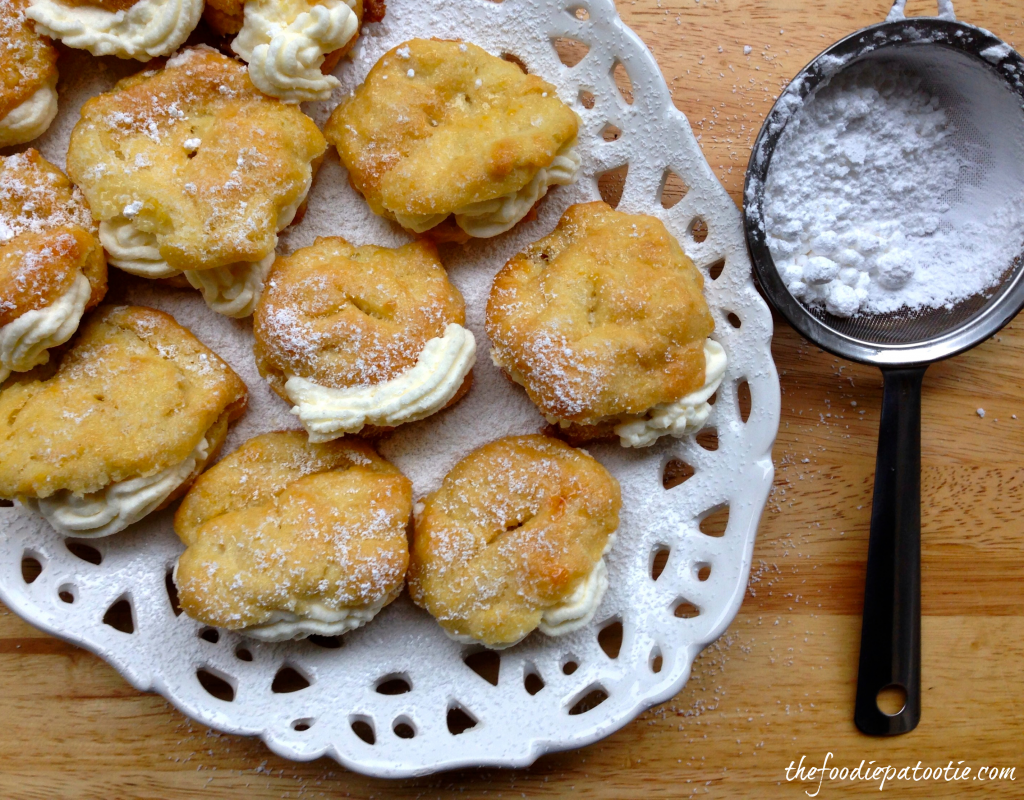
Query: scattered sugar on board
861, 201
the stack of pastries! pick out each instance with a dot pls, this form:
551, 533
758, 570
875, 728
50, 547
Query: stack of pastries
185, 174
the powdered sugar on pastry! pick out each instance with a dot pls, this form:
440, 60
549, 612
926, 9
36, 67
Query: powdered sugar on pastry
28, 120
117, 506
39, 203
285, 41
417, 393
25, 341
148, 29
233, 290
28, 76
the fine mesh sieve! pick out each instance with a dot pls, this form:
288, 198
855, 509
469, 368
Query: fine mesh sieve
979, 80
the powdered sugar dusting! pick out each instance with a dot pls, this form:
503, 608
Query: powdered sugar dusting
32, 200
865, 208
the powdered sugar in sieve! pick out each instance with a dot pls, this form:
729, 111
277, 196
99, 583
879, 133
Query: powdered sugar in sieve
898, 186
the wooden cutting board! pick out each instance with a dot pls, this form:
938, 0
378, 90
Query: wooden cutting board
780, 684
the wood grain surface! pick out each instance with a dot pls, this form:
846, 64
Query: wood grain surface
780, 683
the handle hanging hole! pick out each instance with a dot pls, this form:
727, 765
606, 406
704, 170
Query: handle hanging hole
891, 700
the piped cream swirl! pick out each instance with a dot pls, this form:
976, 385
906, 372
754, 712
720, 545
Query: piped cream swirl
133, 250
285, 43
319, 619
578, 609
574, 612
233, 290
488, 218
24, 342
115, 507
686, 415
148, 29
420, 391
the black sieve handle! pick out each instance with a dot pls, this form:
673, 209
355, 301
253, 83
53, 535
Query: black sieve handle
890, 639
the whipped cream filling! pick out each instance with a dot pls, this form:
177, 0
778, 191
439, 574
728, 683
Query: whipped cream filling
25, 341
25, 122
579, 608
686, 415
465, 638
487, 218
316, 618
133, 250
285, 43
233, 290
148, 29
118, 505
420, 391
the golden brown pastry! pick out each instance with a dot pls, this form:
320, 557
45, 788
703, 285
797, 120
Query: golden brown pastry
514, 540
136, 409
443, 128
291, 46
287, 538
140, 29
191, 169
362, 338
28, 76
605, 325
52, 267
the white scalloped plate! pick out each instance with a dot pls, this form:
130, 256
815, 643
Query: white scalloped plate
513, 727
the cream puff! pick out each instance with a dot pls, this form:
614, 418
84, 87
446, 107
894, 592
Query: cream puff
362, 339
135, 410
285, 538
514, 541
605, 325
191, 170
443, 129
